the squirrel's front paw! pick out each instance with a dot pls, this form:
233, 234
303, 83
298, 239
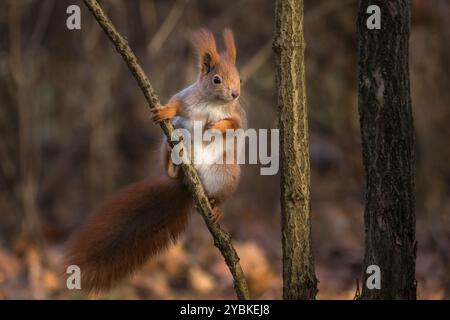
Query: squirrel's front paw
162, 113
222, 126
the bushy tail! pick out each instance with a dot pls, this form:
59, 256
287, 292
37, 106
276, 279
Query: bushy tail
126, 229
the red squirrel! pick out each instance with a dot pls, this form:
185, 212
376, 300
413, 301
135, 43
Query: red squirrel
144, 218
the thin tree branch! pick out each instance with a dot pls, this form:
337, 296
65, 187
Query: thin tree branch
265, 52
222, 239
166, 28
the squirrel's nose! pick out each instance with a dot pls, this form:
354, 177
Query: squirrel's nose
235, 94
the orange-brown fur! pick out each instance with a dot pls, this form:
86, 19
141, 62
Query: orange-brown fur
169, 111
126, 229
205, 44
229, 45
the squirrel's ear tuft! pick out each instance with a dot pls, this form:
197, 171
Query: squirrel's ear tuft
203, 41
229, 45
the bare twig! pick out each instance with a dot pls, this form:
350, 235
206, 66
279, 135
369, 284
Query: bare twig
261, 56
265, 51
222, 239
167, 26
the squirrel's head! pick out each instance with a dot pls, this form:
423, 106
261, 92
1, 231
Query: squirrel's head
218, 73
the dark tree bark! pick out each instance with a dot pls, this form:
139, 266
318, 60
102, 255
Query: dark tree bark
388, 156
299, 280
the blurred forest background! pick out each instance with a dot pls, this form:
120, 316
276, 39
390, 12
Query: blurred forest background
74, 127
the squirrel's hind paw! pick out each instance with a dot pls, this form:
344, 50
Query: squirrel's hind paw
217, 214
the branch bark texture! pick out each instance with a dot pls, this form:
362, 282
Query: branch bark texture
222, 239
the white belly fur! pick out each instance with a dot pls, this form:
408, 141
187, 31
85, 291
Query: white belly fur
219, 180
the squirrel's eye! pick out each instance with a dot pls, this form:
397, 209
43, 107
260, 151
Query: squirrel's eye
216, 79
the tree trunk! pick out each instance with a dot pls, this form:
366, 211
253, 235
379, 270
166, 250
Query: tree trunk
387, 144
299, 280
